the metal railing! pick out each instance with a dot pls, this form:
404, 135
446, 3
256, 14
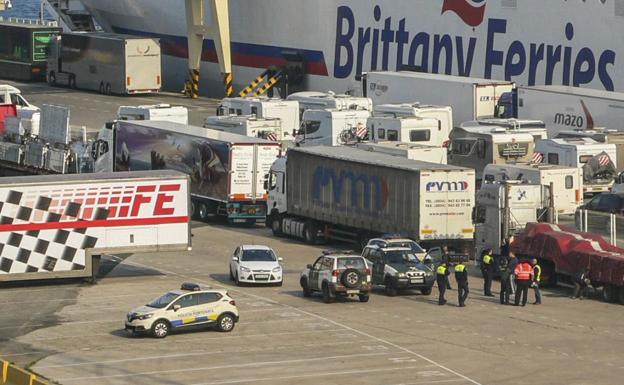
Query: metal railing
607, 225
19, 20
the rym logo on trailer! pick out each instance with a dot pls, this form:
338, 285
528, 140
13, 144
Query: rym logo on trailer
471, 12
447, 186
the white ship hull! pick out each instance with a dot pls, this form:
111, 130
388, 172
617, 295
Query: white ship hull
529, 41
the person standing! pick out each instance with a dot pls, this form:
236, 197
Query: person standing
461, 276
487, 267
505, 286
581, 281
524, 276
446, 257
537, 275
442, 274
511, 267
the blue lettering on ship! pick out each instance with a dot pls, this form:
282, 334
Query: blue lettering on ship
368, 194
435, 53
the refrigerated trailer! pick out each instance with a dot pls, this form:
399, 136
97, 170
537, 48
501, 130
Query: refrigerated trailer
58, 226
470, 98
226, 170
105, 62
351, 195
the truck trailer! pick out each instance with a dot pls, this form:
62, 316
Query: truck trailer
350, 195
407, 150
226, 170
105, 62
470, 98
58, 226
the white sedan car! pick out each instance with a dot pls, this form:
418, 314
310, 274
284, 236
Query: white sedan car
255, 264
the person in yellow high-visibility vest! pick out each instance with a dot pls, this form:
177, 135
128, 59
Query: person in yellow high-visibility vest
442, 274
537, 275
461, 276
487, 267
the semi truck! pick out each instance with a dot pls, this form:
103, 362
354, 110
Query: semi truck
565, 108
226, 170
58, 226
470, 98
105, 62
350, 195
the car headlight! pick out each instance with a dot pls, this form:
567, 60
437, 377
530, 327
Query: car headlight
429, 274
401, 275
277, 269
244, 269
144, 316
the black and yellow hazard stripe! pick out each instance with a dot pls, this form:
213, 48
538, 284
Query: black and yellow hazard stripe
194, 91
272, 81
228, 84
254, 83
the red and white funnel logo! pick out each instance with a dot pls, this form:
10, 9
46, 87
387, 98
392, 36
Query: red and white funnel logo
470, 11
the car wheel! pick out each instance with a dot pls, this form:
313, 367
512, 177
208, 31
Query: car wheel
225, 323
610, 293
279, 284
622, 295
425, 290
160, 329
236, 281
326, 294
231, 275
391, 290
306, 289
351, 278
276, 226
364, 297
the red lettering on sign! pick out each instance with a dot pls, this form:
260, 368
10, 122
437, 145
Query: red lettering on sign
139, 200
160, 201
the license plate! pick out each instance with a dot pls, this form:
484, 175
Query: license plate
261, 276
417, 280
353, 291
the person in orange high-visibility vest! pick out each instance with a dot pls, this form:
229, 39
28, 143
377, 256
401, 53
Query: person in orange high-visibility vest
524, 278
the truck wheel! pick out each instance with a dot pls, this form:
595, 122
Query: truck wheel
108, 90
71, 82
202, 211
610, 293
160, 329
309, 233
102, 89
52, 78
327, 298
225, 323
276, 226
425, 290
391, 290
622, 295
305, 288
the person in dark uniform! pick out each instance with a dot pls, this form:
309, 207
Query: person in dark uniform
461, 276
442, 274
446, 257
487, 267
581, 281
505, 286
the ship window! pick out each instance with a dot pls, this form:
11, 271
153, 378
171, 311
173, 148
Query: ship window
381, 133
569, 182
553, 158
420, 135
393, 135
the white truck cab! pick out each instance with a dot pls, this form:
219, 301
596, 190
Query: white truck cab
249, 125
408, 129
26, 112
160, 112
332, 127
285, 110
312, 100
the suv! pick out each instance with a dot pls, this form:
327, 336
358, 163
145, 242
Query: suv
337, 274
398, 268
192, 305
399, 242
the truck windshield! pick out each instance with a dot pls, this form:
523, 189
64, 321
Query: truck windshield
400, 257
258, 256
163, 300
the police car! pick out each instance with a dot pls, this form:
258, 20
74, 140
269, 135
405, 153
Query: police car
193, 305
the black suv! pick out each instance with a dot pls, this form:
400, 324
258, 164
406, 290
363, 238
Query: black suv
397, 268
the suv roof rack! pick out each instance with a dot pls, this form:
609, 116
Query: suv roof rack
191, 286
330, 252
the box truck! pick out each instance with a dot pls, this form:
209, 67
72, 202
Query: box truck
58, 226
566, 182
226, 170
250, 125
597, 161
407, 150
285, 110
470, 98
351, 195
105, 62
566, 108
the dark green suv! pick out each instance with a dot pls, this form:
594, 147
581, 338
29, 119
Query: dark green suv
398, 268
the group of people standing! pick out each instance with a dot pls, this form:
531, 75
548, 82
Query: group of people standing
517, 276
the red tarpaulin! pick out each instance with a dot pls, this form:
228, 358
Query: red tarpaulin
6, 110
571, 251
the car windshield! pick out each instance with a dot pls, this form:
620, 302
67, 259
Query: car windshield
401, 257
411, 244
163, 300
258, 256
350, 263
